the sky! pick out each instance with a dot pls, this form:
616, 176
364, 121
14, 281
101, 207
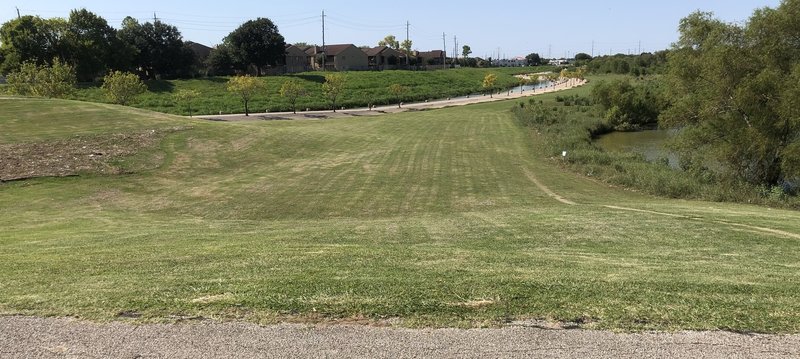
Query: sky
510, 28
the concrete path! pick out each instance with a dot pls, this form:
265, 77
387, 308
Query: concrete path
380, 110
25, 337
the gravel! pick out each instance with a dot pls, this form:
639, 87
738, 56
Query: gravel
28, 337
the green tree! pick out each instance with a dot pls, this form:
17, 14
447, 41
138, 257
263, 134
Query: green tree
735, 94
53, 81
258, 43
333, 87
390, 41
533, 59
160, 50
398, 91
31, 39
122, 87
245, 87
292, 90
466, 51
186, 97
405, 46
489, 83
93, 45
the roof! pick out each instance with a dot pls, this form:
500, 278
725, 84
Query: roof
375, 51
431, 54
296, 51
333, 50
202, 51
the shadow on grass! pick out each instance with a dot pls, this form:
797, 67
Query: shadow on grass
159, 86
313, 78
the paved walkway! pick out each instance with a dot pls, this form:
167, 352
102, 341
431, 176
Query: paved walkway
379, 110
25, 337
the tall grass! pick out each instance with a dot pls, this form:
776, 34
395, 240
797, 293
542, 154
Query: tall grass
559, 125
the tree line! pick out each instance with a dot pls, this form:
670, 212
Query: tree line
730, 91
152, 50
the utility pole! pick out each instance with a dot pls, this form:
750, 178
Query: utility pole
455, 49
155, 18
408, 25
18, 16
324, 54
592, 48
444, 51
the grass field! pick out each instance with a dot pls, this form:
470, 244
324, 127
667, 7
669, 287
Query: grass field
362, 88
432, 218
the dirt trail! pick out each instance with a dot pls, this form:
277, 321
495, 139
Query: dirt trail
546, 190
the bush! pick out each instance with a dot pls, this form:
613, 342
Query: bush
122, 87
54, 81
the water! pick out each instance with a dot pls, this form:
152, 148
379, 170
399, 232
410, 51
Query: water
649, 143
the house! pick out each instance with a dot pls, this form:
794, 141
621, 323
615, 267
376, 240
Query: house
431, 58
296, 60
384, 58
200, 51
340, 57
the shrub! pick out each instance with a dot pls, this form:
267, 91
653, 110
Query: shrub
122, 87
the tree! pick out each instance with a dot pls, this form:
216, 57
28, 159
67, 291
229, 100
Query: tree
582, 56
735, 95
533, 59
31, 39
258, 43
122, 87
389, 41
293, 90
405, 46
222, 62
489, 83
466, 51
333, 87
92, 45
186, 97
398, 91
53, 81
160, 50
246, 87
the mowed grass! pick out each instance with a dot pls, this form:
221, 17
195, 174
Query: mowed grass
362, 88
428, 218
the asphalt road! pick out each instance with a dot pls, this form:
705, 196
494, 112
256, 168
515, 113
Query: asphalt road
26, 337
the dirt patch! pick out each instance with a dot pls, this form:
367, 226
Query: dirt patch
75, 155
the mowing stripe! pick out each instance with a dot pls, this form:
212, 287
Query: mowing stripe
717, 221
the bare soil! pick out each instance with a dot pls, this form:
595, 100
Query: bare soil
75, 155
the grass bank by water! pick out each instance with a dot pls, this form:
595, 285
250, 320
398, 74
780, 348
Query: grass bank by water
429, 218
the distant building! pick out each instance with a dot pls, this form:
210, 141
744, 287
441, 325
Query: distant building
560, 62
200, 51
430, 58
515, 62
339, 57
384, 58
296, 60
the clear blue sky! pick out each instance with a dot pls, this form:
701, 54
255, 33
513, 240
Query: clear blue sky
512, 27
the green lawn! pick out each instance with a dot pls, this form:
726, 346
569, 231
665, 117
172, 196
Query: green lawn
363, 87
431, 217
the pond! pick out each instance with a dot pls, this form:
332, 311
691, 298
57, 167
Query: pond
648, 143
